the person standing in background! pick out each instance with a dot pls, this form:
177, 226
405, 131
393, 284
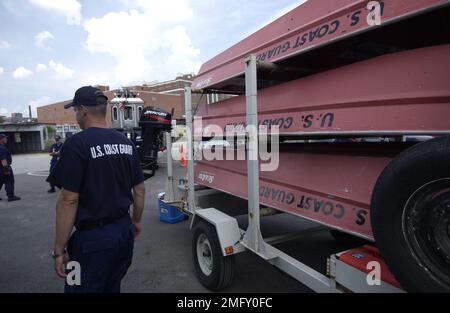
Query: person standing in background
54, 153
6, 172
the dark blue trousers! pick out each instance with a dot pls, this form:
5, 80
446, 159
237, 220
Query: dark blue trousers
8, 181
104, 255
52, 166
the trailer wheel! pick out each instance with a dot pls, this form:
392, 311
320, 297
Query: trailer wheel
213, 270
411, 216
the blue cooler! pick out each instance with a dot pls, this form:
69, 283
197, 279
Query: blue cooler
169, 213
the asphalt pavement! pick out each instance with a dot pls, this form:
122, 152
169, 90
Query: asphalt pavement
163, 259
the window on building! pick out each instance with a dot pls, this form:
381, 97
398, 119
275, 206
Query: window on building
115, 114
128, 114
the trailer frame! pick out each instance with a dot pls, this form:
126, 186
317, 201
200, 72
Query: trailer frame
233, 240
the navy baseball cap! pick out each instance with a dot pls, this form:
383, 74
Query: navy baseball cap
87, 96
3, 136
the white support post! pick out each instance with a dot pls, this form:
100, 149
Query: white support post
253, 239
170, 196
42, 138
189, 149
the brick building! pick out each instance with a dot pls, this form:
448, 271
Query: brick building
176, 87
172, 87
168, 96
56, 114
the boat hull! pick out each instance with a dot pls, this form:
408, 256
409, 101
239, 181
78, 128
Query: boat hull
405, 92
328, 183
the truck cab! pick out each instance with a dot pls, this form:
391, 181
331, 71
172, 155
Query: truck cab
126, 111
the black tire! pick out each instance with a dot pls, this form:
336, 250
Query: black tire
410, 216
222, 268
347, 239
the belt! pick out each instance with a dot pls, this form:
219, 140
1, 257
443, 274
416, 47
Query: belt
99, 223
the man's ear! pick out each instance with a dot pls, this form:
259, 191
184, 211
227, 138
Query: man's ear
83, 110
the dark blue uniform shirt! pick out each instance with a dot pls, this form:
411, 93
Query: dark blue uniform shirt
4, 154
55, 148
103, 166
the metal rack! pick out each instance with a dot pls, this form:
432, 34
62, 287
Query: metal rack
234, 240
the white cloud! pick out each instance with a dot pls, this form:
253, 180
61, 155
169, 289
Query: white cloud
5, 45
70, 8
22, 72
41, 68
183, 56
62, 72
35, 104
41, 39
168, 11
2, 70
4, 112
148, 42
91, 79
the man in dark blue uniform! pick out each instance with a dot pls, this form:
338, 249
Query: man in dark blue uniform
54, 153
100, 177
6, 172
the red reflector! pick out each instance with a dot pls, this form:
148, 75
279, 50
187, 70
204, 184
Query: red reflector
229, 250
360, 257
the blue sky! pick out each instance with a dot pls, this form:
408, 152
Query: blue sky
48, 48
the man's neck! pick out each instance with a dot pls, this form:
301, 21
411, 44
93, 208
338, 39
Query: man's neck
96, 124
